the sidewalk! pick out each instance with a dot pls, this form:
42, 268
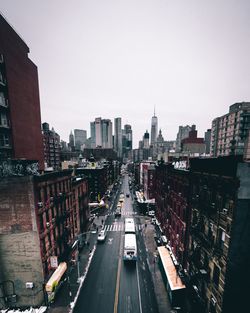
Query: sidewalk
159, 287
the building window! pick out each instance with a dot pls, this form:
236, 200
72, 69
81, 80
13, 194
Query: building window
216, 275
1, 78
221, 238
2, 99
4, 140
3, 120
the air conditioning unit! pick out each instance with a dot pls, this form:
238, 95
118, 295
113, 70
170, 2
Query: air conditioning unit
40, 204
29, 285
48, 224
213, 301
224, 211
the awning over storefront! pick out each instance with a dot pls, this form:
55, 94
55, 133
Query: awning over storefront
56, 276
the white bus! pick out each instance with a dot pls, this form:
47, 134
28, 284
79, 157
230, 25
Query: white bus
130, 249
129, 226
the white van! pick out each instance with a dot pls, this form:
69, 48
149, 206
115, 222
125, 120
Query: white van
101, 236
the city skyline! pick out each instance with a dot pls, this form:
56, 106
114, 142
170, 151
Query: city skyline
189, 60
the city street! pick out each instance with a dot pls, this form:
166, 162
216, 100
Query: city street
111, 285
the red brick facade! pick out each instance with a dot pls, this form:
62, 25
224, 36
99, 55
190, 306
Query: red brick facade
40, 217
22, 95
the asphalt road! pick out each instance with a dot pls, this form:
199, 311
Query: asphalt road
112, 285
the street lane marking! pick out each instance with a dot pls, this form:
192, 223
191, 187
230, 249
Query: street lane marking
138, 284
117, 287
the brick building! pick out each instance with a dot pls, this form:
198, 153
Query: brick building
204, 213
173, 210
20, 120
230, 132
99, 178
147, 179
51, 147
40, 218
192, 144
219, 243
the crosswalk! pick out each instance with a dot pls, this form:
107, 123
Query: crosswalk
120, 227
125, 213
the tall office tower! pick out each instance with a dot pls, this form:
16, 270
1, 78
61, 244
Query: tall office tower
20, 119
118, 137
107, 134
207, 140
71, 141
80, 138
146, 140
230, 132
101, 133
154, 129
182, 134
98, 132
127, 141
51, 146
92, 135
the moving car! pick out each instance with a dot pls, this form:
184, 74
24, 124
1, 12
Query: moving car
118, 211
101, 236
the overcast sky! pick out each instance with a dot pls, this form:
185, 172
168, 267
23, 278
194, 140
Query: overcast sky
119, 58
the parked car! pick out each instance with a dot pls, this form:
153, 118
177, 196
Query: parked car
164, 240
101, 235
127, 195
158, 241
151, 213
153, 220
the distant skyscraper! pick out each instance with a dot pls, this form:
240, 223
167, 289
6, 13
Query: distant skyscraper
118, 136
71, 142
92, 135
182, 134
98, 132
127, 142
146, 140
80, 138
107, 139
154, 129
207, 140
101, 133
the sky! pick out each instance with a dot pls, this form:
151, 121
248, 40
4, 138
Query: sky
120, 58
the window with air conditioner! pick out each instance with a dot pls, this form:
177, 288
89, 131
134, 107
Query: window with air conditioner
3, 120
2, 99
4, 140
